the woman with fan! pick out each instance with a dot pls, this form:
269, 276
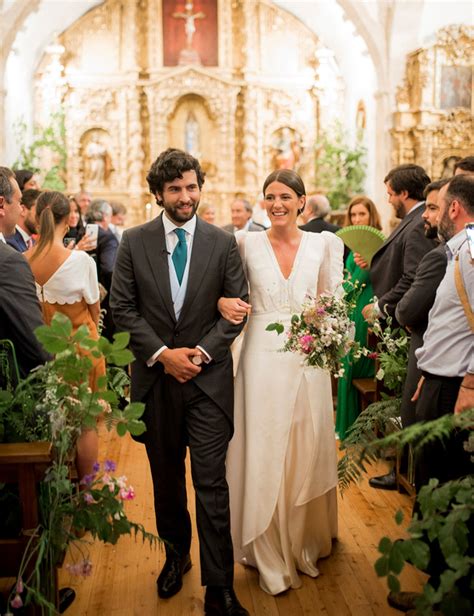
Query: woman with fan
361, 211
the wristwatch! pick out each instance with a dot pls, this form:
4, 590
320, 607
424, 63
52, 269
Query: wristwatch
196, 360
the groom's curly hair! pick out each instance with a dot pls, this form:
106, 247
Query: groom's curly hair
169, 165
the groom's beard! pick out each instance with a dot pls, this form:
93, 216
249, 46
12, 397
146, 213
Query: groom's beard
431, 232
179, 212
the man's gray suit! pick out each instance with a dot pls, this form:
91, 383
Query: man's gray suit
412, 311
198, 413
393, 266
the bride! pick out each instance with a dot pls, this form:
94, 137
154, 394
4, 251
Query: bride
282, 459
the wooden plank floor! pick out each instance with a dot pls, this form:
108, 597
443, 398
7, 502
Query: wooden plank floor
123, 579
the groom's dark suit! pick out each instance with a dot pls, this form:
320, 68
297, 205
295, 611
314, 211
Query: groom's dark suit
198, 413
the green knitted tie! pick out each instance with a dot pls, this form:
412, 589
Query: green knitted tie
180, 254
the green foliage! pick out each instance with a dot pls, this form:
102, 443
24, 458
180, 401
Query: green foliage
340, 167
392, 354
51, 139
446, 514
55, 403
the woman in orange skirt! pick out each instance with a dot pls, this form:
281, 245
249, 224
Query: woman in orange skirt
66, 281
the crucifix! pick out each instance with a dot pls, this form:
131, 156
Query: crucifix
189, 19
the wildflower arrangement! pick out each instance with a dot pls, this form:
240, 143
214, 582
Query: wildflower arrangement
55, 403
392, 354
322, 333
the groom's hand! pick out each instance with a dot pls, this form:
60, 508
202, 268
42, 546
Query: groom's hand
177, 362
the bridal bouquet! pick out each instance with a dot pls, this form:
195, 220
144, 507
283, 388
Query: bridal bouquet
323, 333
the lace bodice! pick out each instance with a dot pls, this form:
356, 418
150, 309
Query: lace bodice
74, 280
317, 268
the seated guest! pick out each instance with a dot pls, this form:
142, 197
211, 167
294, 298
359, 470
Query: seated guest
207, 213
361, 211
20, 312
27, 179
316, 209
241, 215
66, 282
25, 229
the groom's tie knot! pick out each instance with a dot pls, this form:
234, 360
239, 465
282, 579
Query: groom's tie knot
180, 254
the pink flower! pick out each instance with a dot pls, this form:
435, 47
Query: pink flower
127, 493
306, 343
84, 567
19, 586
320, 310
372, 355
16, 602
88, 498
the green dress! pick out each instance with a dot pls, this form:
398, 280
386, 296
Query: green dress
348, 406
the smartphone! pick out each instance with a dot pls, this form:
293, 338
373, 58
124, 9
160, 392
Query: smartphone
470, 237
92, 232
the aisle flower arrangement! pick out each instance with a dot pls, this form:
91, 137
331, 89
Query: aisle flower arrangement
323, 333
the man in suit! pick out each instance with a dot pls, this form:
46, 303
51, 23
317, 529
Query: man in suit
20, 313
412, 310
26, 227
168, 278
241, 214
394, 265
316, 209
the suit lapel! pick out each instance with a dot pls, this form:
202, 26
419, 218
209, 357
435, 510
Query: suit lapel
203, 246
154, 243
408, 218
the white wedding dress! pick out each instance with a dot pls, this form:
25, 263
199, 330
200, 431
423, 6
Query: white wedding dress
281, 464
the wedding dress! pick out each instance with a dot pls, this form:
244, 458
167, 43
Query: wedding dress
281, 464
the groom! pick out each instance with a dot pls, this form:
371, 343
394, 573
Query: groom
168, 278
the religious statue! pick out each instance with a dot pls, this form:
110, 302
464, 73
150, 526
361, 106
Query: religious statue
192, 135
97, 159
189, 55
287, 150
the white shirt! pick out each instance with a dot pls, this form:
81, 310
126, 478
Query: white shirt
178, 291
2, 239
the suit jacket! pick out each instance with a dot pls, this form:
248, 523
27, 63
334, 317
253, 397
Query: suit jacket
142, 305
17, 242
317, 225
254, 226
412, 311
393, 266
20, 312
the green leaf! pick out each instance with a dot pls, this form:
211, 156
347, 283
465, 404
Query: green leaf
393, 583
121, 429
121, 358
381, 566
121, 341
399, 517
136, 427
277, 327
134, 410
385, 545
395, 559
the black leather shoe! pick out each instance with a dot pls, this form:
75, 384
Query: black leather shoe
384, 482
66, 597
403, 601
170, 580
221, 601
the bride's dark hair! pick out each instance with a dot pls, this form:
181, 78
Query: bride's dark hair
289, 178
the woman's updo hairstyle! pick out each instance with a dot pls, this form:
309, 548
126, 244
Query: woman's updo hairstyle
51, 209
289, 178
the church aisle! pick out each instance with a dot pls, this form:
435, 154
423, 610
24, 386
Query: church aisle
123, 576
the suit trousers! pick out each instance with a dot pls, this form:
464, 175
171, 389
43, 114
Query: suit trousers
180, 415
444, 460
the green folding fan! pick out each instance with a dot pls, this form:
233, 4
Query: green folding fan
362, 239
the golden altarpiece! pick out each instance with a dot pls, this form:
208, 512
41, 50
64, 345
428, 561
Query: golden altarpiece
433, 124
234, 85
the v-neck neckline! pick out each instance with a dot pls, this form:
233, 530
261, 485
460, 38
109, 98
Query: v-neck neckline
275, 260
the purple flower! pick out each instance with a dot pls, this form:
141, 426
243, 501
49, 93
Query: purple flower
16, 602
320, 310
88, 479
109, 466
96, 467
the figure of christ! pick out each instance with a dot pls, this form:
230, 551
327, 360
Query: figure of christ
189, 19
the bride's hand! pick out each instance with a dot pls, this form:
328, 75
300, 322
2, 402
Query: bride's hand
233, 309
